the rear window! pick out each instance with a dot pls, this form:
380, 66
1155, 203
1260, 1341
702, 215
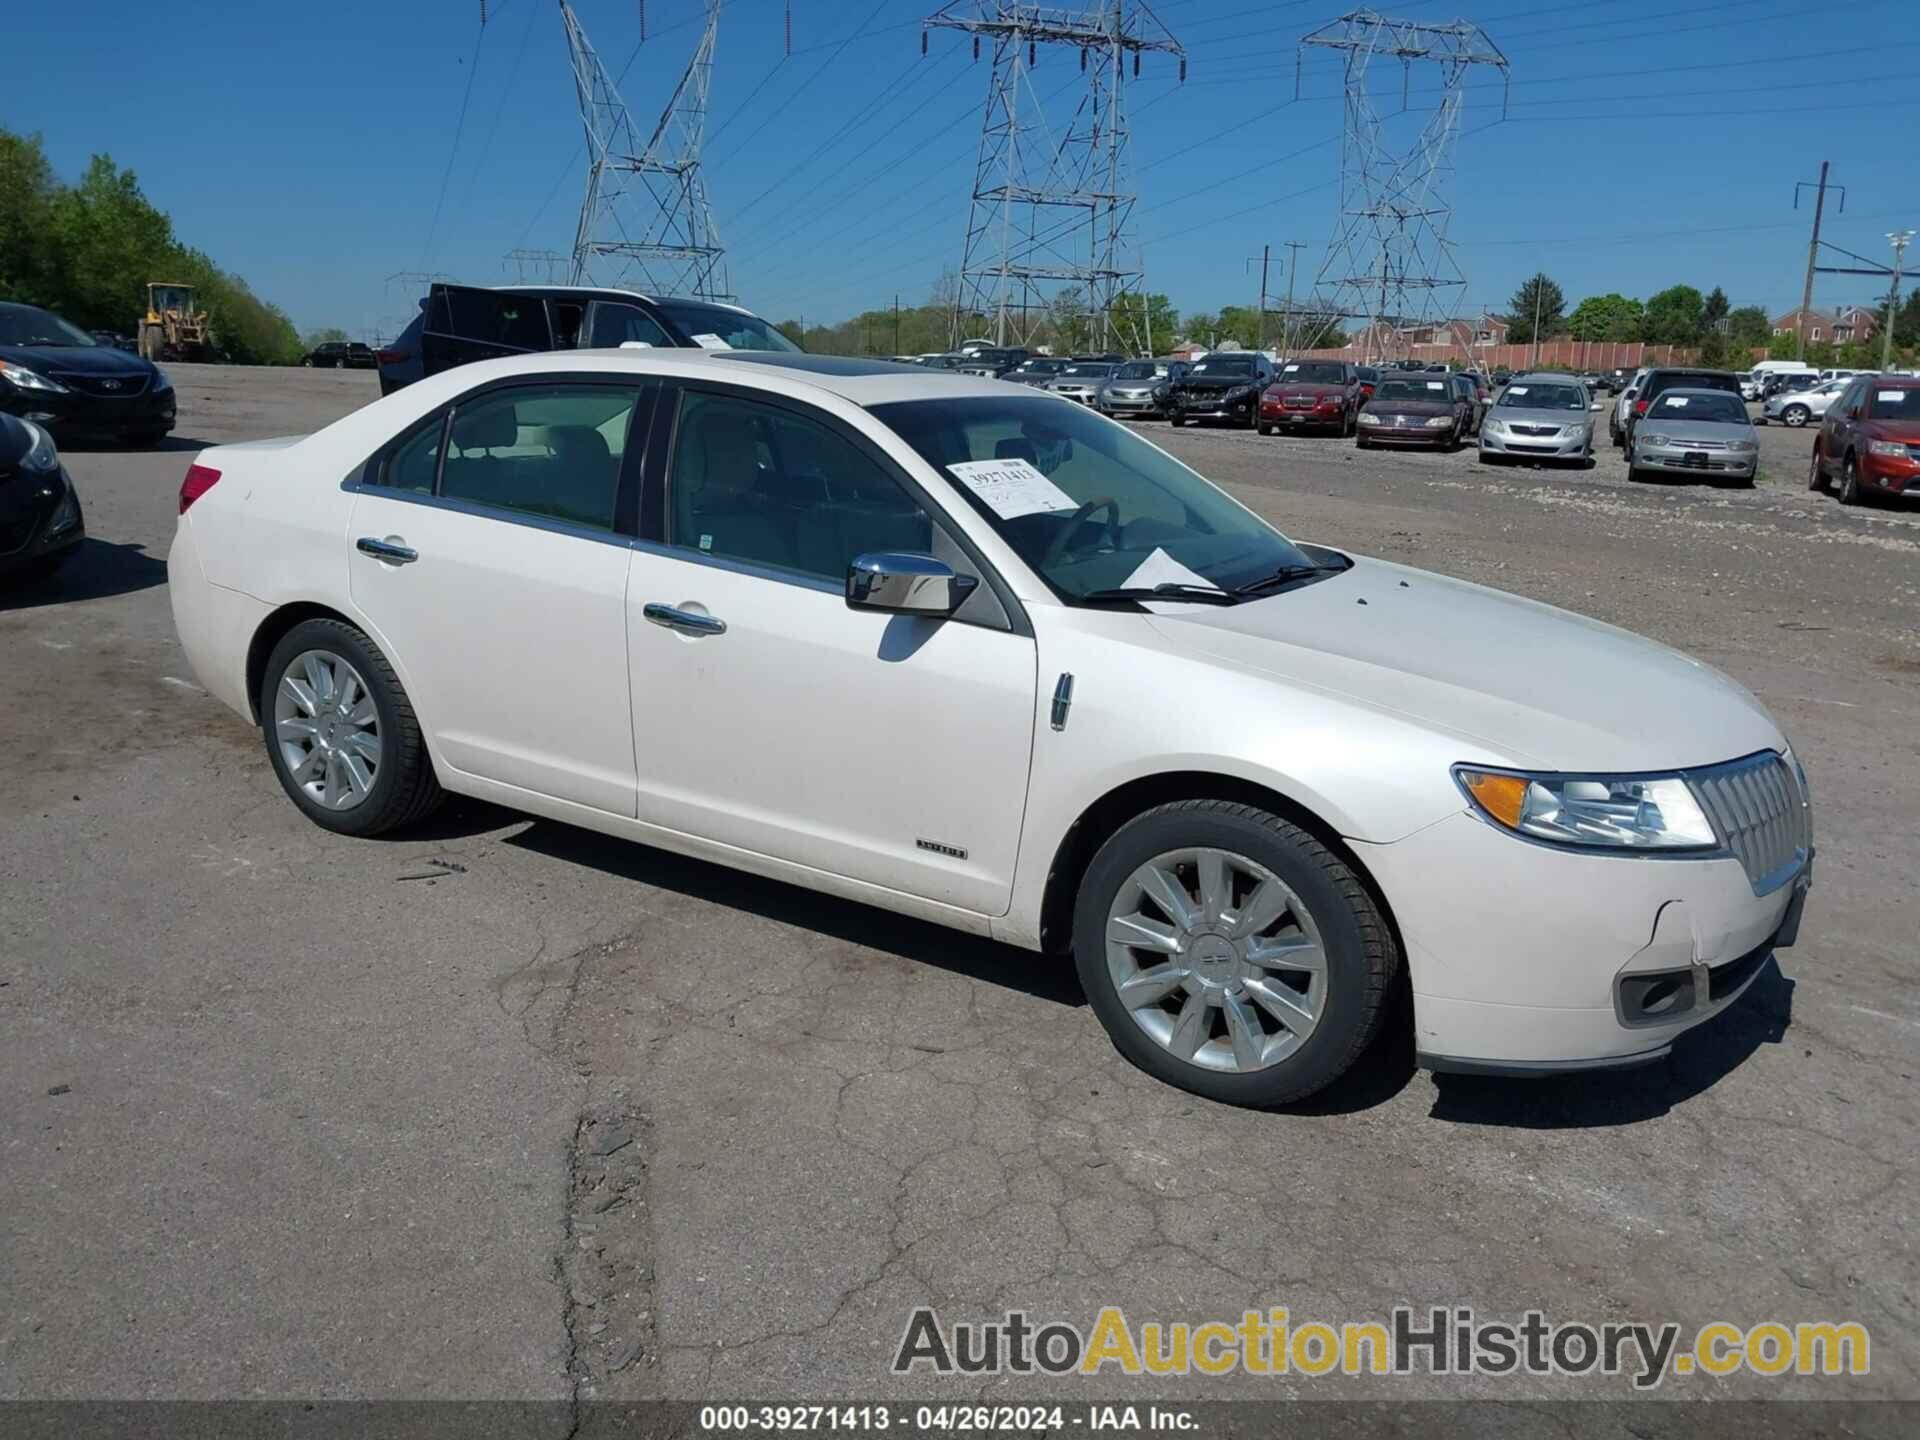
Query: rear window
1692, 405
1661, 380
1893, 403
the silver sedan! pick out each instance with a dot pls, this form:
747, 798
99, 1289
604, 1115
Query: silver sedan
1695, 432
1539, 417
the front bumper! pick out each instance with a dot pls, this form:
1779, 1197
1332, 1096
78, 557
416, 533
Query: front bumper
1527, 958
40, 516
1291, 417
1112, 404
1890, 476
1535, 447
1677, 459
1084, 397
1404, 434
1212, 407
78, 412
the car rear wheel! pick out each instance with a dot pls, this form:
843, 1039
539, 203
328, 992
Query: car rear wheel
1795, 415
341, 733
1230, 953
1849, 481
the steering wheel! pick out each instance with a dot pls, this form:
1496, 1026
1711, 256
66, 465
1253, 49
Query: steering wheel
1057, 547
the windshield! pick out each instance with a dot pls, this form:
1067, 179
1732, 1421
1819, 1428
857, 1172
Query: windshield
1081, 372
1542, 397
1089, 505
714, 327
1224, 365
1313, 372
1043, 367
1138, 370
1901, 404
1711, 406
26, 325
1411, 390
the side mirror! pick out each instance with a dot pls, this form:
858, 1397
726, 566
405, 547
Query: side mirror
1853, 412
906, 585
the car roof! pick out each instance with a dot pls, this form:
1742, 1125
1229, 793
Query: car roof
1546, 377
1685, 390
860, 381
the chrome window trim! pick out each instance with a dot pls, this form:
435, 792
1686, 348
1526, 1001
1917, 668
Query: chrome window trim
354, 485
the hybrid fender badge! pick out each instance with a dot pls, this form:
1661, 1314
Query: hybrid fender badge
1062, 699
937, 848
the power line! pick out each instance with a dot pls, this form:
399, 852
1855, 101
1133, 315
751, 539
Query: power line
801, 87
459, 128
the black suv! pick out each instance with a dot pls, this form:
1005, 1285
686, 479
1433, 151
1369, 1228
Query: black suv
458, 324
340, 355
1224, 385
1676, 377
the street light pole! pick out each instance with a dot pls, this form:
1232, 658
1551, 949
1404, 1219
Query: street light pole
1899, 239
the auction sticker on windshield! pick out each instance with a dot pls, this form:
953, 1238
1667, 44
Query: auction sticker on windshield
711, 342
1011, 488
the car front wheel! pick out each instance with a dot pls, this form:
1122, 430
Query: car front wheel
1795, 415
341, 733
1849, 481
1230, 953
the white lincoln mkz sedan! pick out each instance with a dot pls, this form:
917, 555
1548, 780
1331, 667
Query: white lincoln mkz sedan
969, 651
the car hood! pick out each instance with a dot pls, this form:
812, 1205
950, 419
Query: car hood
1218, 382
1377, 406
1522, 415
76, 359
1905, 431
1515, 680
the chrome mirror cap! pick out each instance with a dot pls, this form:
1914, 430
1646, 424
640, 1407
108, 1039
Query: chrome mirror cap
906, 584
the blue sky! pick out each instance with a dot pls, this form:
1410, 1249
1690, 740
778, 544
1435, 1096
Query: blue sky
1647, 143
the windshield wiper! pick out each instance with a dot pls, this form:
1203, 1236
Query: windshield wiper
1166, 590
1285, 575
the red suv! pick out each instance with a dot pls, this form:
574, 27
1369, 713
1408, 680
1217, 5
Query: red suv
1325, 394
1870, 439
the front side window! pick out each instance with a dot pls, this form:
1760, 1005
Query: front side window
617, 325
552, 451
1086, 504
766, 485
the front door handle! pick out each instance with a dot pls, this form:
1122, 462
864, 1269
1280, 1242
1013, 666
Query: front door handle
687, 622
386, 550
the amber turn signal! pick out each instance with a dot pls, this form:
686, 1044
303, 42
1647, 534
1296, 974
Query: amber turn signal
1502, 796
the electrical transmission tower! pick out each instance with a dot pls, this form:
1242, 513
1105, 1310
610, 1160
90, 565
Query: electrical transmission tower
1389, 261
645, 223
1047, 235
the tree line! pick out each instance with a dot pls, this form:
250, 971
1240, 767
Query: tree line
86, 251
1680, 315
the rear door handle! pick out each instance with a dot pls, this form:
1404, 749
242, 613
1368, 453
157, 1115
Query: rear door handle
687, 622
386, 550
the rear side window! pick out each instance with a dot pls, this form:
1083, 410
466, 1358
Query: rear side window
552, 451
518, 322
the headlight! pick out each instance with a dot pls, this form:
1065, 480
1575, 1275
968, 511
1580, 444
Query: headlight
1613, 812
1367, 417
1893, 449
1493, 427
1747, 445
1656, 440
40, 454
65, 518
27, 379
160, 380
1439, 422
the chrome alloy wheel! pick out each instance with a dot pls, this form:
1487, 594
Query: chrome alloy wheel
327, 728
1216, 959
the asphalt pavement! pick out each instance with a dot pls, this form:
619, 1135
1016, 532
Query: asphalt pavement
508, 1109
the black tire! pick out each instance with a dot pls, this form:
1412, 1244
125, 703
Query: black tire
148, 437
1487, 457
1360, 442
308, 364
1266, 429
1816, 473
1795, 416
1850, 482
1361, 957
1635, 475
1176, 420
404, 788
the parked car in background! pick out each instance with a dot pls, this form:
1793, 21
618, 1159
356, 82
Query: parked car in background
1501, 375
1539, 417
63, 380
1226, 385
459, 324
1261, 815
1795, 408
1662, 378
1312, 394
341, 355
1695, 431
1477, 399
1415, 410
992, 361
1082, 379
116, 340
1038, 370
41, 525
1870, 440
1622, 406
1785, 382
1139, 387
1369, 377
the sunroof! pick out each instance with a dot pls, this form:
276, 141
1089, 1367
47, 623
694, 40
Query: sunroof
814, 364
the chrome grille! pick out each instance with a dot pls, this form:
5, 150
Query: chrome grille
108, 387
1759, 809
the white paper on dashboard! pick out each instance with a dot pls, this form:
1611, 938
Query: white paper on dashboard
1436, 385
1890, 397
1160, 568
1516, 389
1678, 402
1012, 487
711, 342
